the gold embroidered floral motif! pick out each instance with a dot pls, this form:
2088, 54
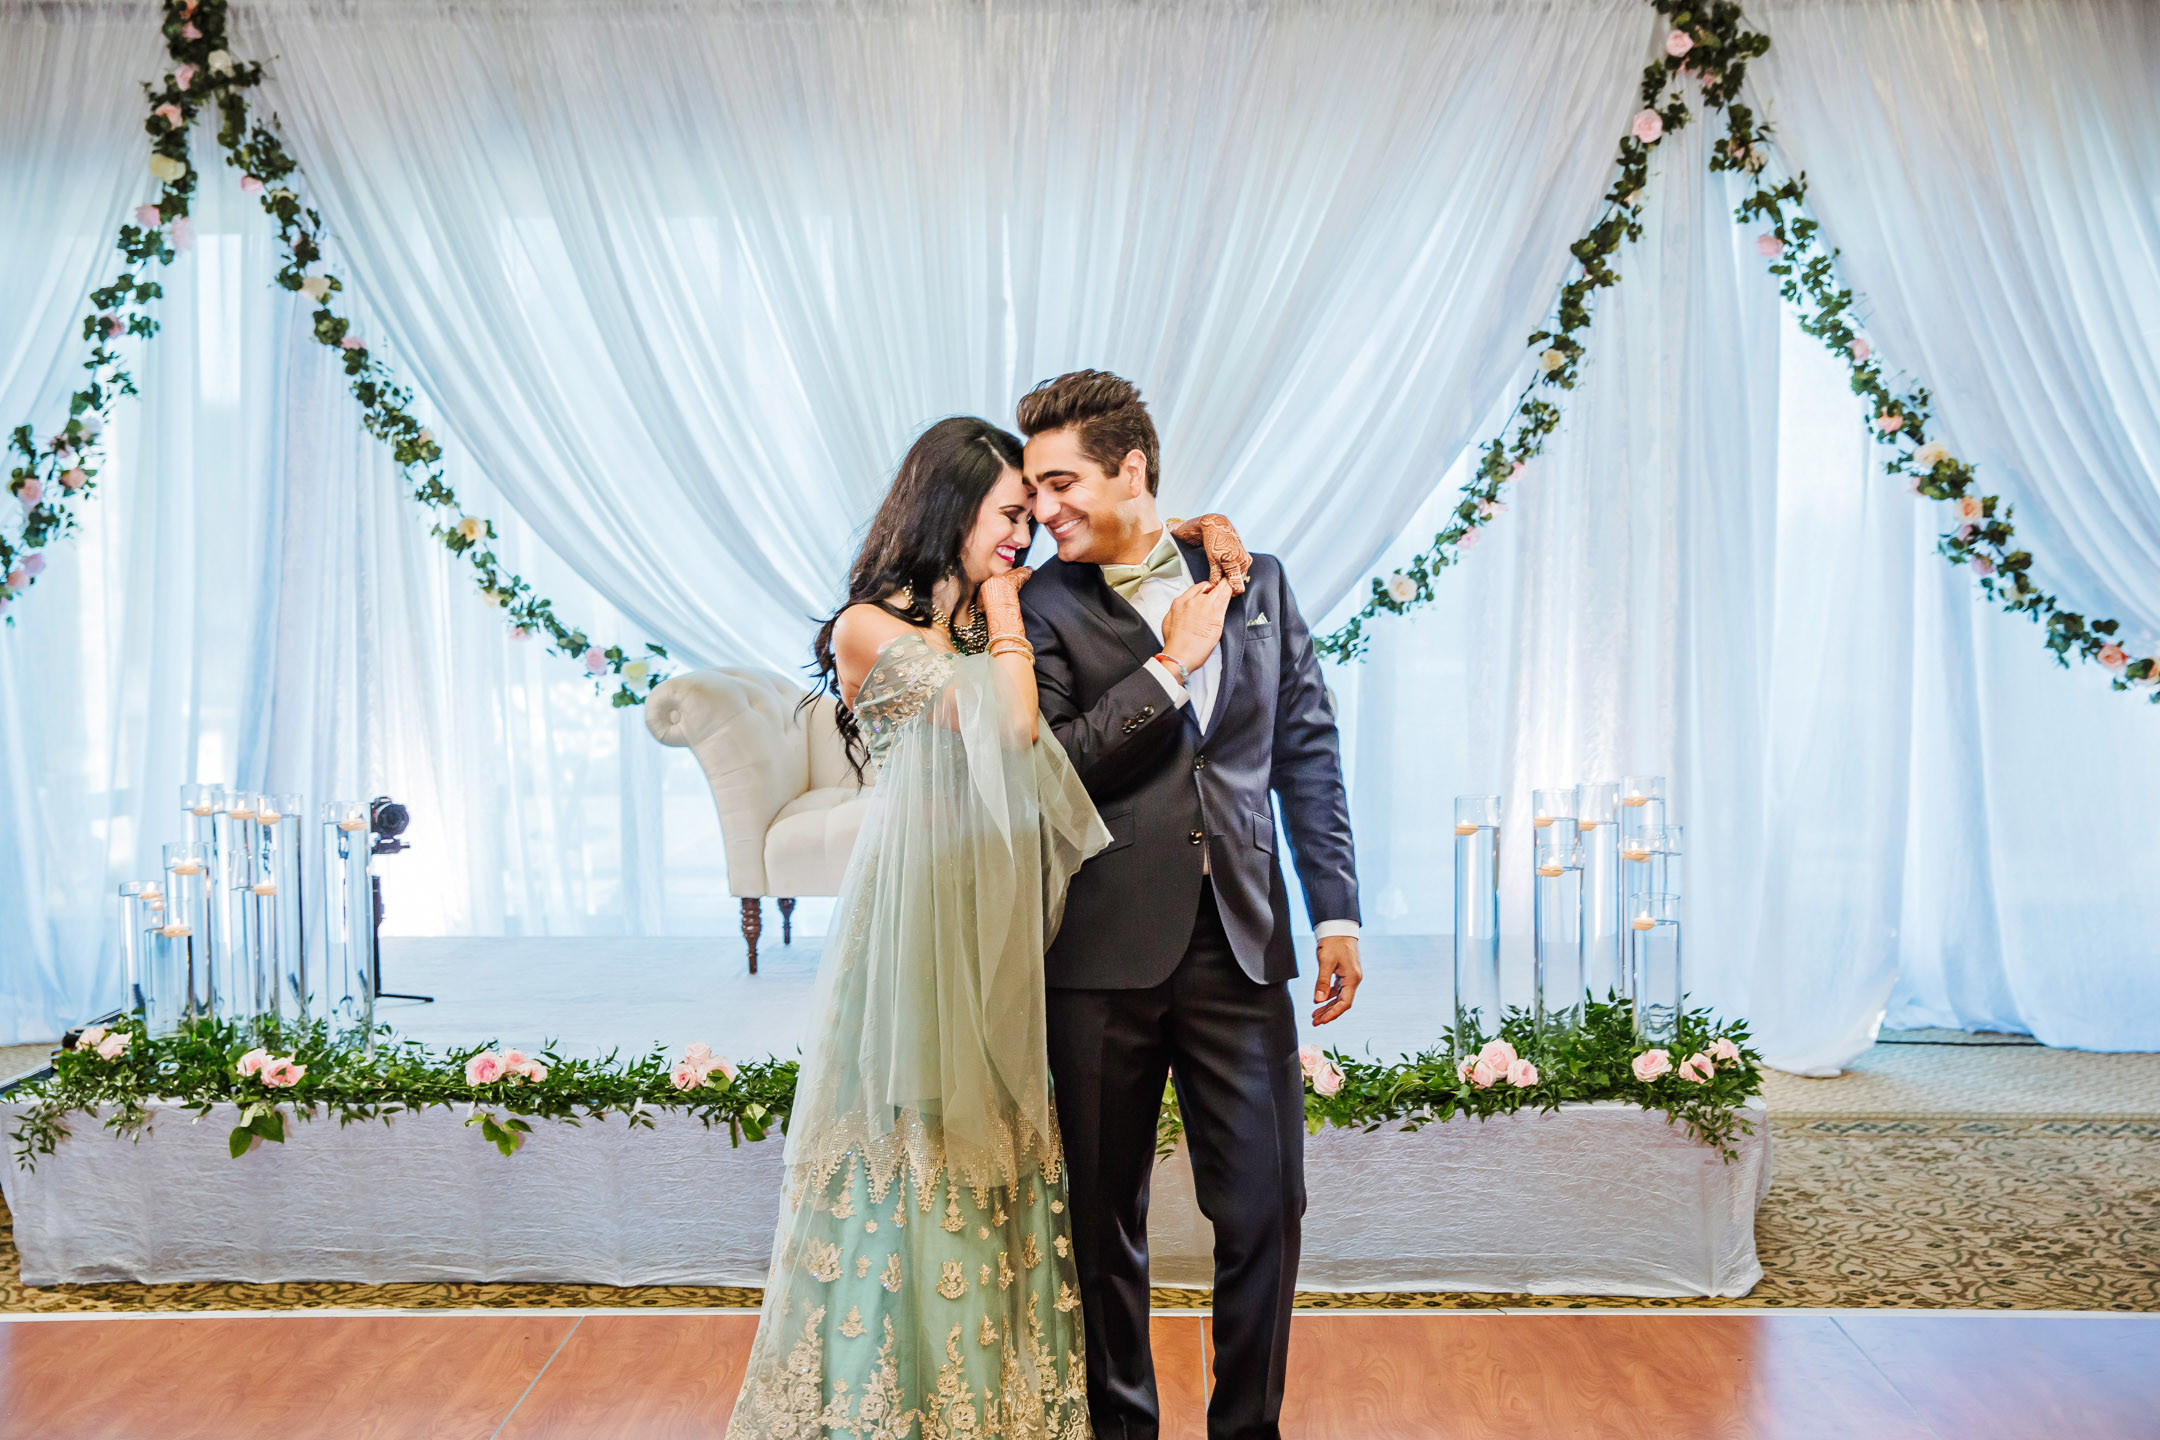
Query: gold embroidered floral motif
1063, 1245
1005, 1272
852, 1327
982, 1232
891, 1278
824, 1261
1057, 1207
952, 1280
862, 1267
997, 1217
1067, 1301
869, 1227
899, 1215
988, 1334
984, 1277
953, 1223
1030, 1253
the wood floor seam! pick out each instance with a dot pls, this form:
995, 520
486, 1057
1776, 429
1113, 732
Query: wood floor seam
536, 1377
1895, 1388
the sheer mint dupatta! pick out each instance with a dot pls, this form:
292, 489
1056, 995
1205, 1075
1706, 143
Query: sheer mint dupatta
929, 1034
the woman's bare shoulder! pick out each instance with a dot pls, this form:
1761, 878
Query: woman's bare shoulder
858, 635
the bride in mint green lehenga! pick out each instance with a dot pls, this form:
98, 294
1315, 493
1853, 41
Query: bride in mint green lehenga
922, 1279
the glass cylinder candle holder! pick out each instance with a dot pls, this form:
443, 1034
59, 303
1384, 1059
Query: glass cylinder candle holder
139, 900
1654, 959
1597, 822
1477, 918
1665, 860
1642, 812
283, 819
1557, 853
184, 933
243, 993
348, 917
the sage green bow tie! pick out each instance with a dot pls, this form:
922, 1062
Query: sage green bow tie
1165, 562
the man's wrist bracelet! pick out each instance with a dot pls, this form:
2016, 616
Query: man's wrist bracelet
1183, 674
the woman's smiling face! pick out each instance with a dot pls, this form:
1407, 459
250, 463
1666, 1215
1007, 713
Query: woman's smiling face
1003, 529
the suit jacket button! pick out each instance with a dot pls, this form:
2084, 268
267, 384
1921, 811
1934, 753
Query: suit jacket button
1199, 762
1147, 710
1196, 837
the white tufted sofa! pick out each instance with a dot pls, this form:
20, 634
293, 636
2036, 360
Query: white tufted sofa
788, 800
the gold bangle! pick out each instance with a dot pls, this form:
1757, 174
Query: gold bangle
1010, 645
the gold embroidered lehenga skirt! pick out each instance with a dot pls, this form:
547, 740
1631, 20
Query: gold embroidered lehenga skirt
922, 1279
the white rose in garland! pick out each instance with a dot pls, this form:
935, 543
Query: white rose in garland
167, 169
315, 287
1401, 588
1930, 456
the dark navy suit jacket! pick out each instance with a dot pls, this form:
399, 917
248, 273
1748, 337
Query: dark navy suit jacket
1162, 784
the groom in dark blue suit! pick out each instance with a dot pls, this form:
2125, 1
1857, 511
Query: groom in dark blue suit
1182, 703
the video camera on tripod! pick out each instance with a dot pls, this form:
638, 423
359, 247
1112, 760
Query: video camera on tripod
386, 824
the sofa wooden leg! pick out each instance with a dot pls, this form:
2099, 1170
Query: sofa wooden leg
787, 920
753, 921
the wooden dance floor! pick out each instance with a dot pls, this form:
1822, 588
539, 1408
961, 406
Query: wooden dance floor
1367, 1376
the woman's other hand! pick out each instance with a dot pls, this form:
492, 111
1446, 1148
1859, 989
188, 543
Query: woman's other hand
1227, 556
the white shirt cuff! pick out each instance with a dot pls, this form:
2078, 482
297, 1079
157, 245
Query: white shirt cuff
1329, 929
1170, 686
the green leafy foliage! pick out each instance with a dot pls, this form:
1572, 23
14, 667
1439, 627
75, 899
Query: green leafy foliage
64, 466
358, 1077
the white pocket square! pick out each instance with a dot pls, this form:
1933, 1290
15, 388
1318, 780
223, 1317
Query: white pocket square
1260, 619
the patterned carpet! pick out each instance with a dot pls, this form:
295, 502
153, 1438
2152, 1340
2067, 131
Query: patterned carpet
1902, 1212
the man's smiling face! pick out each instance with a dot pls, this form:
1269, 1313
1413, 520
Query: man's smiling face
1094, 515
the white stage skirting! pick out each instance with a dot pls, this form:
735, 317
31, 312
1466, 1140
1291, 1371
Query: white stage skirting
1593, 1200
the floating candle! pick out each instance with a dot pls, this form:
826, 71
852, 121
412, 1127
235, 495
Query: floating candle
187, 867
1542, 822
266, 888
1635, 800
1548, 870
352, 824
1464, 827
1636, 854
174, 932
1644, 922
1586, 825
201, 810
269, 817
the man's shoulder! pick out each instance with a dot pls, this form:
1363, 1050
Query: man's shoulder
1054, 577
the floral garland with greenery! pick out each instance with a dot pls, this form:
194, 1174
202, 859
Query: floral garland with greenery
49, 478
274, 1071
1711, 45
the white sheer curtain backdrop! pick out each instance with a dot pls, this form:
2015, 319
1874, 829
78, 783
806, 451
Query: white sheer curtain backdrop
72, 149
690, 278
1991, 169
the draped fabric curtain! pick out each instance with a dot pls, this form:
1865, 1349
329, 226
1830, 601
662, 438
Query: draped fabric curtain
678, 283
690, 277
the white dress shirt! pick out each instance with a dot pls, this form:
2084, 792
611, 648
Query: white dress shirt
1153, 602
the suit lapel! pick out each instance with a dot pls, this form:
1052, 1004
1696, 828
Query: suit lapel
1232, 644
1108, 611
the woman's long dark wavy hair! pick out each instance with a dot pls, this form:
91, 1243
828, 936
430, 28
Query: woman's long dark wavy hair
915, 540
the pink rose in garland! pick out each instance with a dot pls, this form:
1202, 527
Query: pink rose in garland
148, 216
1485, 1076
1522, 1074
1679, 43
251, 185
252, 1062
1329, 1080
484, 1069
170, 114
1498, 1054
2113, 656
595, 661
183, 233
1697, 1069
1889, 423
1968, 510
1649, 1065
1769, 246
280, 1073
18, 580
73, 479
32, 491
1725, 1052
1648, 127
1860, 350
1982, 565
114, 1045
1464, 1067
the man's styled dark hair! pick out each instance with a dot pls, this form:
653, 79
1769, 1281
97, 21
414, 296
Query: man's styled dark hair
1104, 412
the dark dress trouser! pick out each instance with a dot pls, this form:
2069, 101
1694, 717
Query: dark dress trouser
1230, 1044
